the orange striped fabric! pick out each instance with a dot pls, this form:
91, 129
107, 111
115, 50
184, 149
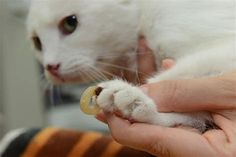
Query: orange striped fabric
112, 149
59, 144
38, 142
52, 142
84, 144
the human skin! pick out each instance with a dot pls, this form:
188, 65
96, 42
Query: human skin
211, 94
176, 142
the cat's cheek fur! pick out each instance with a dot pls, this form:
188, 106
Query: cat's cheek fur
98, 34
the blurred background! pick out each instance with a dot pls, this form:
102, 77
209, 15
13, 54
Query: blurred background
26, 98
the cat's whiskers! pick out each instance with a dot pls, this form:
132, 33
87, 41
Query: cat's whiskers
90, 76
108, 73
72, 66
108, 56
71, 70
137, 76
79, 72
118, 67
82, 73
135, 71
99, 73
94, 73
95, 76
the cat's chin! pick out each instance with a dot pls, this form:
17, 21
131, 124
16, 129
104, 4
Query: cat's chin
54, 80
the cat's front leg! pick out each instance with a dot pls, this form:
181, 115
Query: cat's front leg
134, 104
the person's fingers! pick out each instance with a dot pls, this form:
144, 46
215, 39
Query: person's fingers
101, 117
227, 126
223, 141
146, 60
217, 140
158, 140
193, 94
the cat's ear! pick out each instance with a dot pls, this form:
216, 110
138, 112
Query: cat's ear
19, 8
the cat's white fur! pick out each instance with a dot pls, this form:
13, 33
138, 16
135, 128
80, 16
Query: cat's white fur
198, 34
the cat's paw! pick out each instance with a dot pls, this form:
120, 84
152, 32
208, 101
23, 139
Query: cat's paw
134, 104
130, 101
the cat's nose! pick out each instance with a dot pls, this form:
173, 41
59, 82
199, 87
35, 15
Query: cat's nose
53, 68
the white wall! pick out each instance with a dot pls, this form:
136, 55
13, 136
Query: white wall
2, 14
19, 78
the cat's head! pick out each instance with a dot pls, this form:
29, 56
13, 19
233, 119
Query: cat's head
77, 40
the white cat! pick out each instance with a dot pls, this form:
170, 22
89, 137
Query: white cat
78, 40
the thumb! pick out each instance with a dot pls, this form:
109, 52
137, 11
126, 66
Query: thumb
209, 94
161, 141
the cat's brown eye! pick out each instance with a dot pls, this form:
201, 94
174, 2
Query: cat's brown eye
68, 25
37, 43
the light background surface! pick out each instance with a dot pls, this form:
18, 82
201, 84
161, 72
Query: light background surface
19, 85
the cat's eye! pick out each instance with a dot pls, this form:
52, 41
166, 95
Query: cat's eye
37, 43
68, 25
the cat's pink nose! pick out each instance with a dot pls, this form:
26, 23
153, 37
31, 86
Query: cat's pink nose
53, 68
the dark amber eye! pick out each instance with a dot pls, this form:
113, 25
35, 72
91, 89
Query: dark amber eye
68, 25
37, 43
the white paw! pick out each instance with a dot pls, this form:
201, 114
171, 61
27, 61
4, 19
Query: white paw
134, 104
129, 100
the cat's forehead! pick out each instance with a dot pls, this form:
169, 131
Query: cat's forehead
50, 7
49, 13
44, 13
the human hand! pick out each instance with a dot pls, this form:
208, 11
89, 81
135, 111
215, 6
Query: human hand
176, 142
219, 93
203, 94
